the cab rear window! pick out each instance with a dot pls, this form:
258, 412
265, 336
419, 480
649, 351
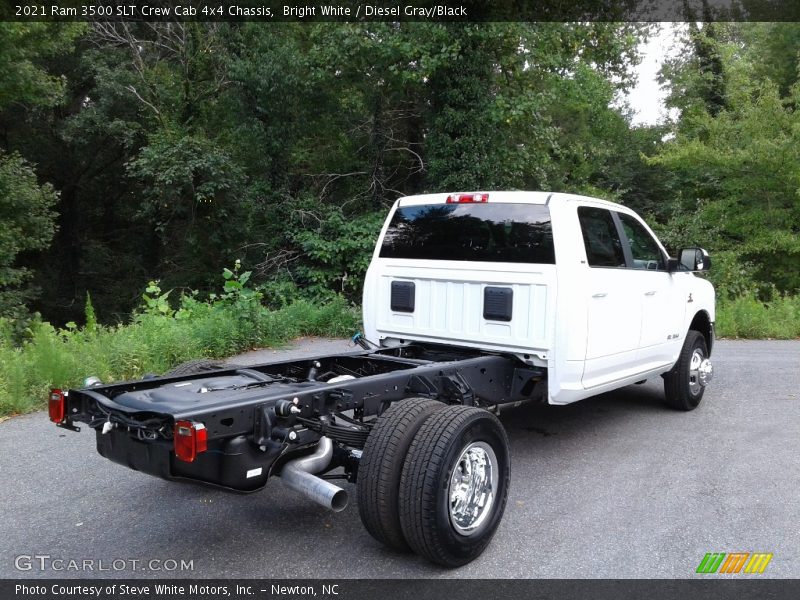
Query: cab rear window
517, 233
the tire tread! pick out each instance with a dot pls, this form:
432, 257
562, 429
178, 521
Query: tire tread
381, 465
418, 488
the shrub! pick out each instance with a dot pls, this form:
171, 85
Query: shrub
749, 317
157, 338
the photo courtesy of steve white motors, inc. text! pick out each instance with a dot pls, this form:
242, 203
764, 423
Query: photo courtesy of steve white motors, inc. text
172, 589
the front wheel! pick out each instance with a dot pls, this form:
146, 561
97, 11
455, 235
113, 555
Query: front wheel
685, 384
454, 485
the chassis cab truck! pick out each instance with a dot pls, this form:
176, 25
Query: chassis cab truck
472, 301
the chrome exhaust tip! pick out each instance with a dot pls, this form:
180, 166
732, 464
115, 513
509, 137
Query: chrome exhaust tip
298, 474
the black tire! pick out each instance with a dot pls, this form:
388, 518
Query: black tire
381, 466
197, 366
680, 392
426, 513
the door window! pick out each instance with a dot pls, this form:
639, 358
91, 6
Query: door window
644, 249
600, 237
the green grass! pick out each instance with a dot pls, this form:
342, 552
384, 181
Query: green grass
747, 317
152, 343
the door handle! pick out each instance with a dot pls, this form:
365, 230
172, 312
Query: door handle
599, 295
650, 293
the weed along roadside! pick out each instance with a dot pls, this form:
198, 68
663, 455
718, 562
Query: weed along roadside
747, 317
161, 334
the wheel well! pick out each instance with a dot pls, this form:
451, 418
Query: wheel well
702, 323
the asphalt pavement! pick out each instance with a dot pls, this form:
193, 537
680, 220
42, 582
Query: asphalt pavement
617, 486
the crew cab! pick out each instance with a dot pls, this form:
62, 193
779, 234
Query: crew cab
577, 285
472, 301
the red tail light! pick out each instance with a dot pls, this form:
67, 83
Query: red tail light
463, 198
190, 440
56, 406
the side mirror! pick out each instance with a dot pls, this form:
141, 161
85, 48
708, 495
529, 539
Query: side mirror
693, 259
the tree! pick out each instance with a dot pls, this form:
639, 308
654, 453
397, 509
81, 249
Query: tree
26, 215
27, 224
178, 147
22, 47
735, 169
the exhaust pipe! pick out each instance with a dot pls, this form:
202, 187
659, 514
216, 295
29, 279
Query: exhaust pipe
298, 474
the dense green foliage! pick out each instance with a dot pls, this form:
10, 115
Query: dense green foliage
23, 77
734, 157
175, 148
27, 221
28, 224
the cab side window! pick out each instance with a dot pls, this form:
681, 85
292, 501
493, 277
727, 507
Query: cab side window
600, 237
644, 249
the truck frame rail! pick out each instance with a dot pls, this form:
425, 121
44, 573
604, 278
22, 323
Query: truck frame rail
254, 419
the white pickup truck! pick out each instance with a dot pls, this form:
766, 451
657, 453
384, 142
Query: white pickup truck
472, 301
577, 285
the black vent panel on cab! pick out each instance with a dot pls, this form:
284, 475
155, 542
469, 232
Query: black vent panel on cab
497, 302
403, 296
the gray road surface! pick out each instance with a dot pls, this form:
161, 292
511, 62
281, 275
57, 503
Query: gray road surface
616, 486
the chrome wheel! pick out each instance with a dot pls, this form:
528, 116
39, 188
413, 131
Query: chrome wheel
454, 487
699, 368
685, 383
472, 488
